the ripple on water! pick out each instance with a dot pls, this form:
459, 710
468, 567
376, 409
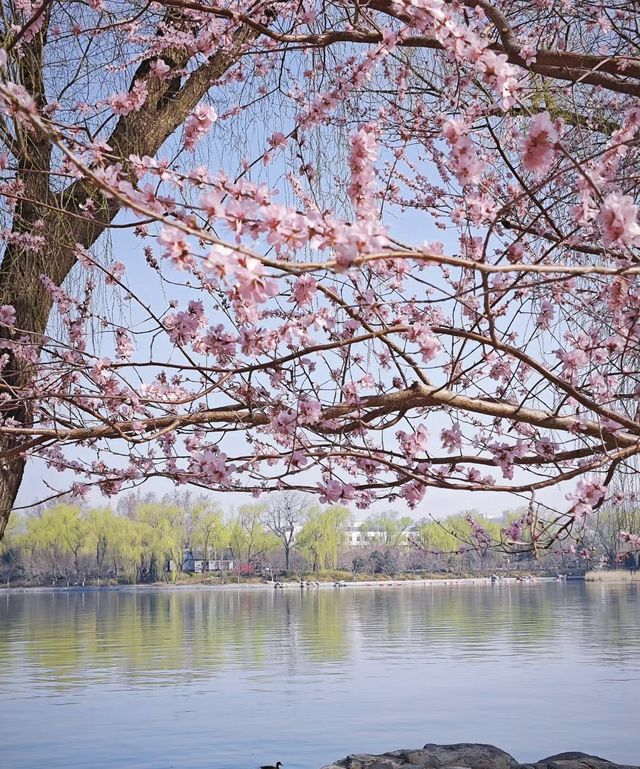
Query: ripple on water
230, 680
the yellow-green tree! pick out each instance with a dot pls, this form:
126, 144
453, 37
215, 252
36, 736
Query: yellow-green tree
322, 536
208, 532
11, 548
387, 528
436, 537
162, 535
61, 533
102, 524
249, 538
128, 548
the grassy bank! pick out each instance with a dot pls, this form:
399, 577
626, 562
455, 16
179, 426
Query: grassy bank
618, 575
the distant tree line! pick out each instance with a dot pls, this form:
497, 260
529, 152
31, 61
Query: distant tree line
147, 538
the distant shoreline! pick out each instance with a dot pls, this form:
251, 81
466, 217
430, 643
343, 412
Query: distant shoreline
287, 586
617, 576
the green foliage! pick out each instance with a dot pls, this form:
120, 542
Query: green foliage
11, 552
388, 528
61, 533
249, 538
13, 534
208, 532
454, 532
434, 536
147, 538
162, 529
322, 535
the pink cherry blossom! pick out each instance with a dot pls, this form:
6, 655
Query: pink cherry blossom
573, 361
183, 326
540, 142
132, 101
619, 218
278, 140
7, 315
505, 454
588, 495
304, 289
451, 438
309, 411
332, 491
198, 124
429, 345
631, 539
252, 285
211, 465
124, 345
176, 248
289, 316
414, 443
217, 341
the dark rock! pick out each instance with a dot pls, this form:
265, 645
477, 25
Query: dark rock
468, 755
472, 755
583, 762
362, 760
570, 755
575, 759
415, 757
381, 764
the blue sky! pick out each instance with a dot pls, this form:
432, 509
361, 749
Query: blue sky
224, 150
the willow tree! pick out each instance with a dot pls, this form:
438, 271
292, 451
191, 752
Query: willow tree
322, 536
389, 528
379, 247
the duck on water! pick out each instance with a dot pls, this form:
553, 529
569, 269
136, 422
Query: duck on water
277, 766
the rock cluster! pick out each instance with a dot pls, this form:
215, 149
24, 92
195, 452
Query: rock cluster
469, 756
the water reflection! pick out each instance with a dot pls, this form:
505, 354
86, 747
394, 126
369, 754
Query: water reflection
405, 665
174, 632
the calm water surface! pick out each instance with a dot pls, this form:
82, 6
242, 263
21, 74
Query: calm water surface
229, 679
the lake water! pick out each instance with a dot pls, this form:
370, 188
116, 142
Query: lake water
231, 679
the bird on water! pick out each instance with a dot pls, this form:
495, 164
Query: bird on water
277, 766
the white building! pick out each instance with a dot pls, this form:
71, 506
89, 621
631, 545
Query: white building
356, 535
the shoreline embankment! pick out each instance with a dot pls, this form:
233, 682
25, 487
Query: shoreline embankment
286, 586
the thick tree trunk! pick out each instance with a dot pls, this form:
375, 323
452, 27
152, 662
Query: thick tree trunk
142, 133
10, 479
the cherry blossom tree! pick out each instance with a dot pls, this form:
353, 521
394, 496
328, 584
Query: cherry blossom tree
352, 249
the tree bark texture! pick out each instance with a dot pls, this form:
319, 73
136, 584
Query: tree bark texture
65, 226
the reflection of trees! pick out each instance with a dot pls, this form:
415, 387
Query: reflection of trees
174, 633
612, 622
325, 626
507, 617
179, 634
134, 633
433, 615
